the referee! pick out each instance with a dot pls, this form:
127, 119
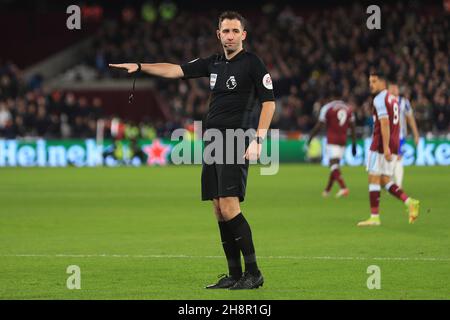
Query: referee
238, 81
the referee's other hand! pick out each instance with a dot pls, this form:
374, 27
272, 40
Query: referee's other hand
130, 67
253, 151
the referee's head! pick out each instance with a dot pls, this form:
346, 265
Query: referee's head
231, 31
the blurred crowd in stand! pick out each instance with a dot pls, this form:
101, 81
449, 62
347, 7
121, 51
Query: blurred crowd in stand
312, 55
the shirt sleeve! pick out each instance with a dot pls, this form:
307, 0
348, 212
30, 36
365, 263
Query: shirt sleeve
262, 80
197, 68
408, 108
380, 106
323, 114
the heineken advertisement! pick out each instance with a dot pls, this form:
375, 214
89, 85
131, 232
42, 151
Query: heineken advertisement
433, 152
88, 153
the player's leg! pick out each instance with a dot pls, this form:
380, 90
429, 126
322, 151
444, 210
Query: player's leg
343, 191
374, 200
331, 178
335, 153
398, 168
232, 183
393, 188
387, 170
412, 205
398, 172
374, 190
231, 211
336, 175
231, 250
230, 247
232, 253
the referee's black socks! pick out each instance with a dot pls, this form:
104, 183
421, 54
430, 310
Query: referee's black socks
243, 238
232, 251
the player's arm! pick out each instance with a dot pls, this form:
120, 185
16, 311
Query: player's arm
264, 89
194, 69
413, 125
385, 136
319, 125
383, 117
265, 118
254, 149
165, 70
409, 114
353, 134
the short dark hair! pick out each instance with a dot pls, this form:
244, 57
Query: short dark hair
378, 74
232, 15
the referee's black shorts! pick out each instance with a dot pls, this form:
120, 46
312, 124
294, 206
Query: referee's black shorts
225, 180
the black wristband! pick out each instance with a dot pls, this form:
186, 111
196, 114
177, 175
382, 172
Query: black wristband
259, 140
139, 67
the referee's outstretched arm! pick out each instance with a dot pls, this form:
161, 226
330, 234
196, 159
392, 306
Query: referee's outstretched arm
165, 70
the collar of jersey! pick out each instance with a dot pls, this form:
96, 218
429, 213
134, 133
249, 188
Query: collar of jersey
236, 57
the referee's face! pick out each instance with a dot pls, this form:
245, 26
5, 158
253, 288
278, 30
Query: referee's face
231, 35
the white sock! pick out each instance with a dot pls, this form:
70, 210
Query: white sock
398, 173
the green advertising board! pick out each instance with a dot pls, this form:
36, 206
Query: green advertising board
80, 153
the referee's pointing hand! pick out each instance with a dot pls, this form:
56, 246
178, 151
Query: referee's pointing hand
130, 67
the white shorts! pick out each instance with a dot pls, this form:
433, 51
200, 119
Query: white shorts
378, 165
335, 151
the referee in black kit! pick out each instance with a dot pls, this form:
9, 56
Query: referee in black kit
238, 80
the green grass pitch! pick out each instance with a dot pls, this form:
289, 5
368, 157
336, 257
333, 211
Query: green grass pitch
143, 233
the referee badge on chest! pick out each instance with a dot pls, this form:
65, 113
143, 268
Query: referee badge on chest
212, 80
231, 83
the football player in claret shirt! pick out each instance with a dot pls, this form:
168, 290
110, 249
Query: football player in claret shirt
383, 152
406, 117
337, 116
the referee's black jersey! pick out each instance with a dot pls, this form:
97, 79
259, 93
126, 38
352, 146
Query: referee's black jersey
236, 85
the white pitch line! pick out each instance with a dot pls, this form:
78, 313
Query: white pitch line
181, 256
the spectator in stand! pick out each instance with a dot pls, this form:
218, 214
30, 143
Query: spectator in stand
5, 118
